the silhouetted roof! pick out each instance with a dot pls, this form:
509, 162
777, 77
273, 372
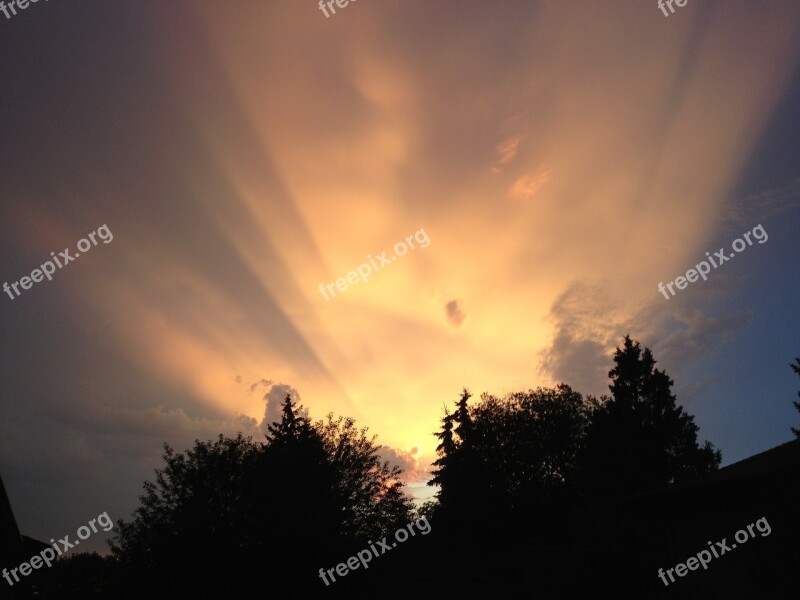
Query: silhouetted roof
785, 457
10, 537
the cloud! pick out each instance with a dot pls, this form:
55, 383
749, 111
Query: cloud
526, 186
690, 336
410, 462
261, 382
96, 454
506, 152
584, 326
274, 398
223, 279
582, 363
590, 323
747, 211
688, 392
455, 316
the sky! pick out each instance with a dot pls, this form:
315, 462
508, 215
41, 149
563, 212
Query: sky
552, 163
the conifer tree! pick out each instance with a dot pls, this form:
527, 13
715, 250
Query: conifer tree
640, 437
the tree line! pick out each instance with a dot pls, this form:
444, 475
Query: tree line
534, 474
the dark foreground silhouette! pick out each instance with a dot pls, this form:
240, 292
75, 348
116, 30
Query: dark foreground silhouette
545, 494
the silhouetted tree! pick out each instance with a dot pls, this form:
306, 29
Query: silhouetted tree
462, 417
639, 437
452, 438
291, 428
510, 461
796, 369
225, 515
83, 575
457, 471
293, 500
529, 443
190, 525
371, 491
548, 427
445, 450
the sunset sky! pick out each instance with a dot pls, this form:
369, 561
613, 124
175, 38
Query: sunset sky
561, 158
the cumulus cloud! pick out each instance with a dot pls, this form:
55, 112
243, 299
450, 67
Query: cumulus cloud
581, 363
590, 322
409, 461
584, 325
274, 398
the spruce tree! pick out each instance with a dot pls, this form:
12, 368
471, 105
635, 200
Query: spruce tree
641, 437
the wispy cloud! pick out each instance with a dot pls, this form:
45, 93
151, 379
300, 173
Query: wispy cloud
506, 152
526, 186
